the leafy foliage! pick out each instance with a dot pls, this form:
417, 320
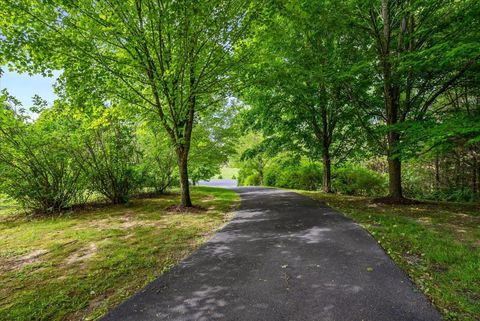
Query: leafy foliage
356, 180
37, 167
111, 160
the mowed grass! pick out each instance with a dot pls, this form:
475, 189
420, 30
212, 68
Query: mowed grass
228, 173
78, 265
437, 244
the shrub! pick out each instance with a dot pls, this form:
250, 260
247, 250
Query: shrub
271, 174
158, 173
253, 180
307, 176
158, 163
419, 183
243, 173
37, 168
111, 161
356, 180
448, 194
288, 177
311, 177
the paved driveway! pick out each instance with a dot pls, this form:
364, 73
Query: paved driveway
283, 257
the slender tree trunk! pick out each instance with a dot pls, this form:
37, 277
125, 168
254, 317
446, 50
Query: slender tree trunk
458, 171
478, 178
326, 142
474, 176
182, 159
437, 172
327, 174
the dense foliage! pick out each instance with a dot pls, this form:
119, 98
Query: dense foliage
290, 171
167, 59
352, 91
66, 157
390, 86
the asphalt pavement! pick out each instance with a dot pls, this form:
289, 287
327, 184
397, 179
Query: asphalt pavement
283, 257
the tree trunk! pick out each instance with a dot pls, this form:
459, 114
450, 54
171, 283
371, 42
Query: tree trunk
327, 176
437, 172
391, 91
478, 177
182, 159
394, 163
395, 178
474, 176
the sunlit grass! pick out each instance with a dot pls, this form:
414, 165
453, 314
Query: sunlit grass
228, 173
78, 265
437, 244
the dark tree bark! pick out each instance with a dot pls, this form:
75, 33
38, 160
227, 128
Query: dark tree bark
478, 177
395, 179
327, 132
392, 106
183, 149
327, 174
474, 176
437, 172
182, 159
394, 166
323, 128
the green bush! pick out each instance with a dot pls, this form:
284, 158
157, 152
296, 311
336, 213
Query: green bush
289, 177
111, 160
356, 180
243, 173
311, 177
158, 162
253, 180
37, 168
419, 183
446, 194
271, 175
306, 176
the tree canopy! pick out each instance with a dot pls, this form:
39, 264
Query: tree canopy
378, 83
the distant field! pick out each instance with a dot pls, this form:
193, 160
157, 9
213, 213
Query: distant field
437, 244
76, 266
228, 173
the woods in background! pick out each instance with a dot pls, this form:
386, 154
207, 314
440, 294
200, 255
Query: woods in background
376, 97
386, 85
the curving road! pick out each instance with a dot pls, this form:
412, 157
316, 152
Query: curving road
283, 257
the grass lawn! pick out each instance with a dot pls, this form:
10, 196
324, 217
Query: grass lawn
228, 173
437, 244
78, 265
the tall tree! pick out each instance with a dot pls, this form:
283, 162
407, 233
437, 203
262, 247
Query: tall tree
296, 86
170, 57
417, 51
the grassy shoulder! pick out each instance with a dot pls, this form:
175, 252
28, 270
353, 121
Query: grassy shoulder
78, 265
437, 244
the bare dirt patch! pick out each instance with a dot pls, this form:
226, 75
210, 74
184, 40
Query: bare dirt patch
22, 261
396, 201
83, 254
208, 198
183, 209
